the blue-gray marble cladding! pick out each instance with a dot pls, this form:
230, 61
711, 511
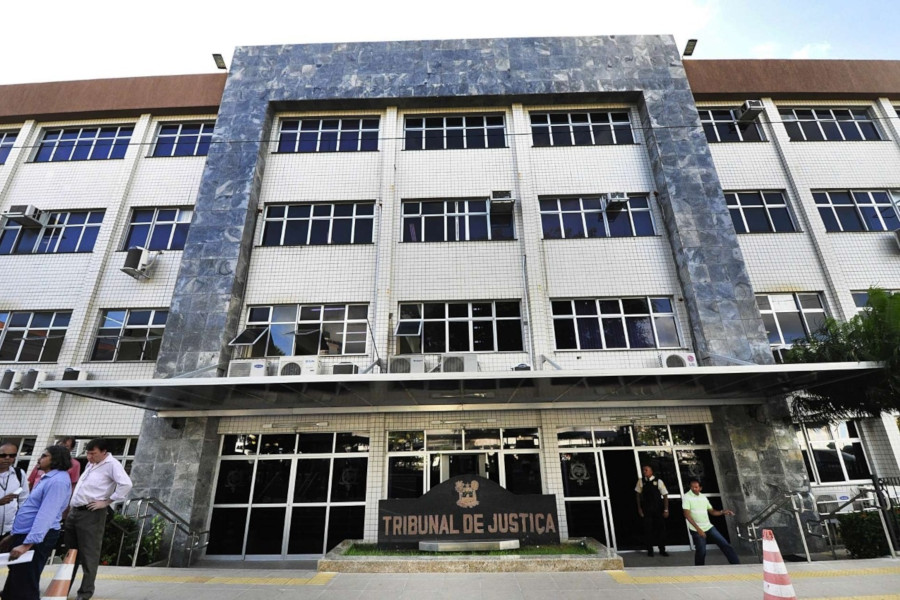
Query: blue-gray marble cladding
208, 298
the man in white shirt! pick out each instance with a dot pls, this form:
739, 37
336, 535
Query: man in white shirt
13, 486
103, 482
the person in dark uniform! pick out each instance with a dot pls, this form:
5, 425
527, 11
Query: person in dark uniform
653, 507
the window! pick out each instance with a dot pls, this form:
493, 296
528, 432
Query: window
586, 217
454, 221
129, 334
85, 143
581, 129
444, 133
158, 228
833, 125
319, 224
328, 135
63, 232
7, 139
791, 317
861, 299
609, 323
836, 452
459, 327
183, 139
32, 336
422, 459
292, 330
721, 125
759, 212
853, 210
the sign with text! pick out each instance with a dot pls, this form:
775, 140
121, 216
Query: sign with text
470, 508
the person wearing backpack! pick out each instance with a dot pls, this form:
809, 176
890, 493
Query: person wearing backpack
653, 507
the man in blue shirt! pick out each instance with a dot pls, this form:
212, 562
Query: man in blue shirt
37, 525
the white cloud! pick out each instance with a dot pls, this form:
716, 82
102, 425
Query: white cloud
819, 50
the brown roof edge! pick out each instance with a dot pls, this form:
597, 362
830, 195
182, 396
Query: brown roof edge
800, 79
131, 96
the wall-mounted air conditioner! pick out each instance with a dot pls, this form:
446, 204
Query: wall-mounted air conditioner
459, 363
750, 110
502, 202
10, 381
407, 364
345, 369
897, 237
298, 365
254, 367
138, 262
677, 360
31, 380
616, 198
26, 215
73, 374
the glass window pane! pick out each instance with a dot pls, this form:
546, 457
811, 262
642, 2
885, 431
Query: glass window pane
523, 473
579, 475
265, 531
272, 480
311, 481
406, 476
233, 484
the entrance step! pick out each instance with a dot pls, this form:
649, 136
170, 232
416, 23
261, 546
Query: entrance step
603, 559
469, 546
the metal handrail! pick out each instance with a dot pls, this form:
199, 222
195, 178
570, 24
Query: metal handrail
797, 499
142, 513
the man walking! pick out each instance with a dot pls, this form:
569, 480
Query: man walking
653, 507
13, 486
103, 482
697, 510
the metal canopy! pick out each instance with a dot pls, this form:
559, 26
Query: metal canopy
475, 391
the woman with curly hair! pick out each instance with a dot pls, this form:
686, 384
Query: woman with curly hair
37, 525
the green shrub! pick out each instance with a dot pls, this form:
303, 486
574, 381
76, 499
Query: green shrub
863, 534
120, 525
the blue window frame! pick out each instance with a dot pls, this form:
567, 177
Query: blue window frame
455, 132
7, 139
158, 228
183, 139
329, 135
84, 143
32, 336
594, 217
63, 232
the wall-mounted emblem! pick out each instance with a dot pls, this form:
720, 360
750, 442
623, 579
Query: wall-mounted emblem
578, 472
467, 494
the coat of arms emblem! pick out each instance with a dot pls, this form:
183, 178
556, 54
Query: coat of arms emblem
467, 495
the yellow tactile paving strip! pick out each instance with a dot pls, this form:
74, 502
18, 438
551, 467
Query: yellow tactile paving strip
317, 579
624, 578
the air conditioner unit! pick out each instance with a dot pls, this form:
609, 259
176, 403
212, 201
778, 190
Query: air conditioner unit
138, 262
616, 198
257, 367
407, 364
73, 374
897, 237
26, 215
345, 369
458, 363
677, 360
298, 365
10, 381
750, 110
31, 380
502, 202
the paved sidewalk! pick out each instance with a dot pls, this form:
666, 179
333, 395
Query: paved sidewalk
877, 579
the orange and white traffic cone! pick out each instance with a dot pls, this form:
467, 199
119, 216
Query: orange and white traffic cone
776, 581
59, 587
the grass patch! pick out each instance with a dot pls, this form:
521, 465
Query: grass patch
555, 550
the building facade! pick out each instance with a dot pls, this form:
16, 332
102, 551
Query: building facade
352, 271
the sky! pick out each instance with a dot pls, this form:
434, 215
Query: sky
59, 40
